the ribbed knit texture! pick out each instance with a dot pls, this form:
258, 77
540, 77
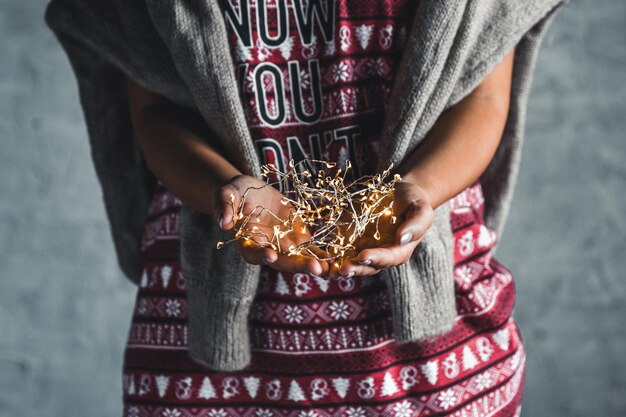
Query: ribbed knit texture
180, 49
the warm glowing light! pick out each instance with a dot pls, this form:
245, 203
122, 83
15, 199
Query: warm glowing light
335, 212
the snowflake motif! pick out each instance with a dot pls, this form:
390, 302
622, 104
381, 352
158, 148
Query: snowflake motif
355, 412
375, 67
172, 308
340, 71
483, 381
403, 409
293, 313
218, 413
264, 412
305, 80
339, 310
308, 414
447, 399
171, 412
380, 302
133, 412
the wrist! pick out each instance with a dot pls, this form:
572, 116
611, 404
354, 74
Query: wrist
423, 188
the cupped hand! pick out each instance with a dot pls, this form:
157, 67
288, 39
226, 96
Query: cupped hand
263, 223
397, 241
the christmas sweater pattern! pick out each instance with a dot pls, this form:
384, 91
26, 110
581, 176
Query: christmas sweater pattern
314, 82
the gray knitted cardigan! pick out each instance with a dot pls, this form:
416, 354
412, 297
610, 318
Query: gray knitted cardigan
180, 49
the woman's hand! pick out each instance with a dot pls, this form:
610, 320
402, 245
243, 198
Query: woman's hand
453, 156
414, 212
270, 198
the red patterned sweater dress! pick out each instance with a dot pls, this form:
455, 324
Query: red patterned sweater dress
314, 84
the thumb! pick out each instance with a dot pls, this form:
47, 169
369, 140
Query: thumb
226, 199
418, 218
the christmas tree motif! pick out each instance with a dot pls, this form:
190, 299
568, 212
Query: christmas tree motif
312, 341
162, 382
322, 283
330, 107
252, 384
207, 391
359, 336
475, 412
389, 386
484, 238
468, 359
364, 34
341, 385
172, 335
295, 392
144, 279
242, 52
497, 400
329, 339
430, 370
281, 285
166, 273
344, 337
286, 47
296, 340
502, 338
354, 100
344, 100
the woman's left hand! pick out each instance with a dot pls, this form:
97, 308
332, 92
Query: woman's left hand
414, 212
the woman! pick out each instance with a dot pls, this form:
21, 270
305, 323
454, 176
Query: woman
314, 82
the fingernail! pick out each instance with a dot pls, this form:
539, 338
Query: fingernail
406, 238
347, 276
220, 216
269, 260
366, 262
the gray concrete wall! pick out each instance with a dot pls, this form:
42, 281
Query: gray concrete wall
65, 308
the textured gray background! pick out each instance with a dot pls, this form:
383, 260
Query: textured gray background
65, 308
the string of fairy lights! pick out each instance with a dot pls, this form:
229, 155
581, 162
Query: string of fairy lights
321, 204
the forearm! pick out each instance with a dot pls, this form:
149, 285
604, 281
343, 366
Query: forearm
173, 144
462, 142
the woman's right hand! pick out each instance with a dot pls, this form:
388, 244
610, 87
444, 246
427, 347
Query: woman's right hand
270, 198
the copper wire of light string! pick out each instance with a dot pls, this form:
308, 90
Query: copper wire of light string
335, 213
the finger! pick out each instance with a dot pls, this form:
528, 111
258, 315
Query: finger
319, 254
256, 254
225, 199
386, 257
351, 267
418, 219
297, 264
